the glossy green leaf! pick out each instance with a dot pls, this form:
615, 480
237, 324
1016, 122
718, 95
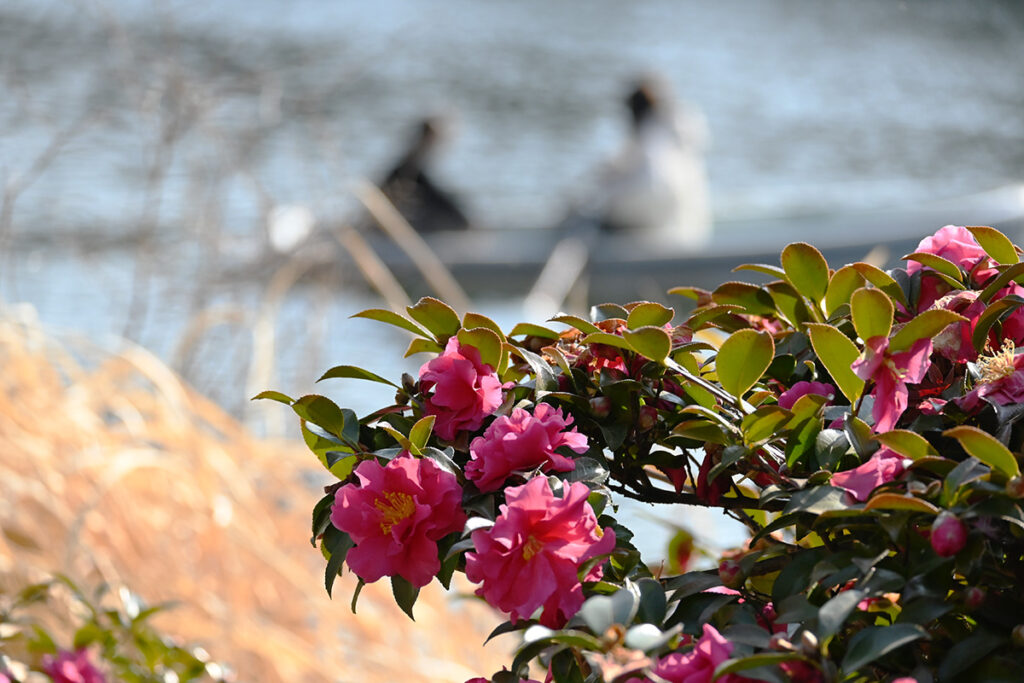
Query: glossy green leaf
351, 371
908, 444
336, 544
584, 326
924, 326
832, 615
988, 318
274, 396
765, 268
473, 320
872, 313
936, 263
753, 299
608, 339
423, 346
486, 342
764, 423
985, 448
420, 432
898, 501
771, 660
437, 316
837, 353
322, 412
742, 360
531, 330
650, 342
649, 313
996, 244
405, 594
392, 318
705, 314
789, 303
843, 283
1014, 273
695, 293
806, 269
882, 280
875, 641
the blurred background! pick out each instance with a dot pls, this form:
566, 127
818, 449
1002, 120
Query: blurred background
146, 146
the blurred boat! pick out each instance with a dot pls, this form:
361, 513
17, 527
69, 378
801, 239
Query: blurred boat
507, 263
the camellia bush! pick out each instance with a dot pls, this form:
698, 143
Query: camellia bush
865, 426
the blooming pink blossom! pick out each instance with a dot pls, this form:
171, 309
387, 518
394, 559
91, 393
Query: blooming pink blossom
954, 243
396, 516
801, 389
699, 664
522, 442
72, 667
1001, 381
883, 466
466, 390
948, 535
955, 342
532, 555
891, 372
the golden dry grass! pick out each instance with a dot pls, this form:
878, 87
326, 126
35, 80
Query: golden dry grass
111, 469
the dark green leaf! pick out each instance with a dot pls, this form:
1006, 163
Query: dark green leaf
436, 316
405, 594
322, 412
833, 613
817, 500
355, 373
990, 315
985, 448
579, 323
755, 300
392, 318
875, 641
337, 543
274, 396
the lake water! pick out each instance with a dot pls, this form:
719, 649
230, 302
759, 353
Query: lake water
140, 141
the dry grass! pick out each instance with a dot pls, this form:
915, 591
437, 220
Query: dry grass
112, 469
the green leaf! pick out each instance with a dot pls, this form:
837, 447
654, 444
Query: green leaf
875, 641
995, 244
936, 263
879, 278
817, 500
422, 346
833, 613
806, 269
841, 285
544, 376
579, 323
898, 501
437, 316
872, 313
923, 326
985, 448
649, 313
472, 321
789, 302
695, 293
908, 444
420, 432
337, 543
405, 594
608, 339
765, 268
650, 342
486, 342
990, 315
392, 318
273, 396
764, 423
753, 299
705, 314
355, 373
530, 330
321, 516
837, 353
766, 659
1006, 275
742, 360
322, 412
355, 594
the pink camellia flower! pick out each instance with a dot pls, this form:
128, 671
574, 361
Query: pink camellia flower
954, 342
522, 442
481, 679
699, 664
949, 534
466, 390
883, 466
891, 373
72, 667
801, 389
532, 555
396, 516
954, 243
1001, 381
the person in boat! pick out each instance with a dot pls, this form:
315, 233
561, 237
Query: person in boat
656, 186
408, 185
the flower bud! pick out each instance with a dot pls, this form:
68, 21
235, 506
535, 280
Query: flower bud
768, 612
1015, 487
973, 597
948, 535
1017, 635
600, 406
808, 643
731, 574
647, 418
780, 643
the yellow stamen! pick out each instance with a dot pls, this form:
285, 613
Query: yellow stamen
998, 365
531, 548
394, 507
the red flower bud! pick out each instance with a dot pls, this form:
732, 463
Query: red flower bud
600, 406
647, 418
949, 534
973, 597
731, 574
